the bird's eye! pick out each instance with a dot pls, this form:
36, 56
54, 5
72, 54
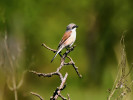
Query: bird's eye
73, 27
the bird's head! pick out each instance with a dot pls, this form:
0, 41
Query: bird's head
71, 26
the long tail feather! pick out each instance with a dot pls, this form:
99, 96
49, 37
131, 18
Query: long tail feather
54, 57
57, 53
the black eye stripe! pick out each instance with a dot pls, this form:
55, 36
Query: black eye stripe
73, 27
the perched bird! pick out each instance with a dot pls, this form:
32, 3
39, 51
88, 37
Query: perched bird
68, 38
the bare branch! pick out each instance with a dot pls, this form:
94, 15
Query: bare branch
74, 66
43, 74
68, 97
62, 97
49, 48
57, 92
37, 95
122, 81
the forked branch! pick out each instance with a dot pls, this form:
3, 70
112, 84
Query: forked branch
57, 92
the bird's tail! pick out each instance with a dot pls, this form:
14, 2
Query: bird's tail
60, 48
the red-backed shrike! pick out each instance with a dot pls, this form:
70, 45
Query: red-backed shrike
68, 39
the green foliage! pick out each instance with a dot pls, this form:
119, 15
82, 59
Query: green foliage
29, 23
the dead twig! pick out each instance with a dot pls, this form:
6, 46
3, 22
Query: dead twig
37, 95
74, 66
62, 97
12, 77
49, 48
121, 83
57, 92
68, 97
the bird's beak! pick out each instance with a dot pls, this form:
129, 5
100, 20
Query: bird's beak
77, 26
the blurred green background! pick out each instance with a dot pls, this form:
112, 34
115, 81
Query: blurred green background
29, 23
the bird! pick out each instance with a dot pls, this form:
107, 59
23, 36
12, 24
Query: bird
68, 38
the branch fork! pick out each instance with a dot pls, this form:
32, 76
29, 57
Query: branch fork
57, 92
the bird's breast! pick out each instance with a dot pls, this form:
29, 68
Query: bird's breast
73, 35
71, 39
